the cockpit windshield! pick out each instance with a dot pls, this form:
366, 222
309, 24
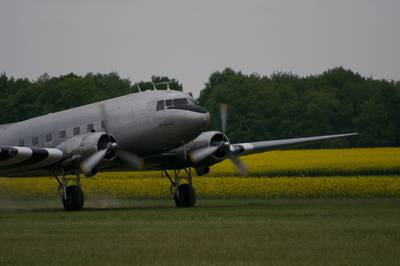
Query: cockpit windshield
174, 103
179, 102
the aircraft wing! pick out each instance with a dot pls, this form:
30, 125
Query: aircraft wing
261, 146
18, 159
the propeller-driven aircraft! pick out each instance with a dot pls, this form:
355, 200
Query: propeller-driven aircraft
151, 130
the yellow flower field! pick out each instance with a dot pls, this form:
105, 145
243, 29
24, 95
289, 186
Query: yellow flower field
217, 187
371, 161
277, 174
332, 162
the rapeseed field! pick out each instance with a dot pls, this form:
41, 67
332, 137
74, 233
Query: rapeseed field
217, 187
277, 174
335, 162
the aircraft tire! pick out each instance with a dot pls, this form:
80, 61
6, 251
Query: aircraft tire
187, 196
74, 200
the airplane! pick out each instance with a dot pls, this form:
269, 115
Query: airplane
152, 130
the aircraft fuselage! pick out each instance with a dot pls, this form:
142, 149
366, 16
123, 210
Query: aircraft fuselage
136, 121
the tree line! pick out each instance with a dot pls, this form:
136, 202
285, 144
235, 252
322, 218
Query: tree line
284, 105
281, 105
22, 99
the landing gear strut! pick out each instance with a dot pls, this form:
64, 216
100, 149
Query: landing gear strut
184, 194
71, 196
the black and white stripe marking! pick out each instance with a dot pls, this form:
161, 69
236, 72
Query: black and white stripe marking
25, 158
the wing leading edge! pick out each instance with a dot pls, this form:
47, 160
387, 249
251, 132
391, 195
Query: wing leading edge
240, 149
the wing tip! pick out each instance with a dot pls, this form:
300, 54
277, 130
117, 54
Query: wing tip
349, 134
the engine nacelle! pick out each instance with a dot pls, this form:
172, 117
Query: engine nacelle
78, 148
206, 139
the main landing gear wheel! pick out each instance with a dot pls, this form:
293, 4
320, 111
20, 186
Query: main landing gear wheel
71, 196
74, 198
184, 194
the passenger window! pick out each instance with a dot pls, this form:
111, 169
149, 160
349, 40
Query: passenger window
180, 102
63, 134
90, 128
160, 105
21, 143
103, 125
48, 138
35, 140
77, 131
168, 102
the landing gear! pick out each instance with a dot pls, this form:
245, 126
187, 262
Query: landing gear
71, 196
184, 194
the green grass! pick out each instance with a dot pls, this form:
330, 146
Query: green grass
224, 232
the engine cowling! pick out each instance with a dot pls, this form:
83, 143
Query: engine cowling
207, 139
78, 148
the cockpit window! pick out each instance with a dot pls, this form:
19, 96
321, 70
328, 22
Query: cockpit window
180, 102
168, 102
160, 105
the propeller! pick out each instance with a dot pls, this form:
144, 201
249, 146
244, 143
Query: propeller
202, 153
90, 163
131, 159
223, 112
238, 163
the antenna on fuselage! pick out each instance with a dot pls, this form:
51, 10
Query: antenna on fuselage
137, 85
164, 83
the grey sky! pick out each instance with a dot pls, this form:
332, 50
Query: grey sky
189, 40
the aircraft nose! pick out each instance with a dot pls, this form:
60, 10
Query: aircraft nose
198, 120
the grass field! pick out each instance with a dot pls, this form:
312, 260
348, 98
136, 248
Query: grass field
311, 207
217, 232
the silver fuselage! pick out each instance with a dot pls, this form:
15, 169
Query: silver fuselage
133, 120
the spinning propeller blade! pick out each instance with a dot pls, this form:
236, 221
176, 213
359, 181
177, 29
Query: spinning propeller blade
88, 165
223, 111
238, 163
131, 159
202, 153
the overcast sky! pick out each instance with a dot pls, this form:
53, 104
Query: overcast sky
189, 40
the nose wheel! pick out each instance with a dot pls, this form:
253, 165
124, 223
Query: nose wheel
184, 194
